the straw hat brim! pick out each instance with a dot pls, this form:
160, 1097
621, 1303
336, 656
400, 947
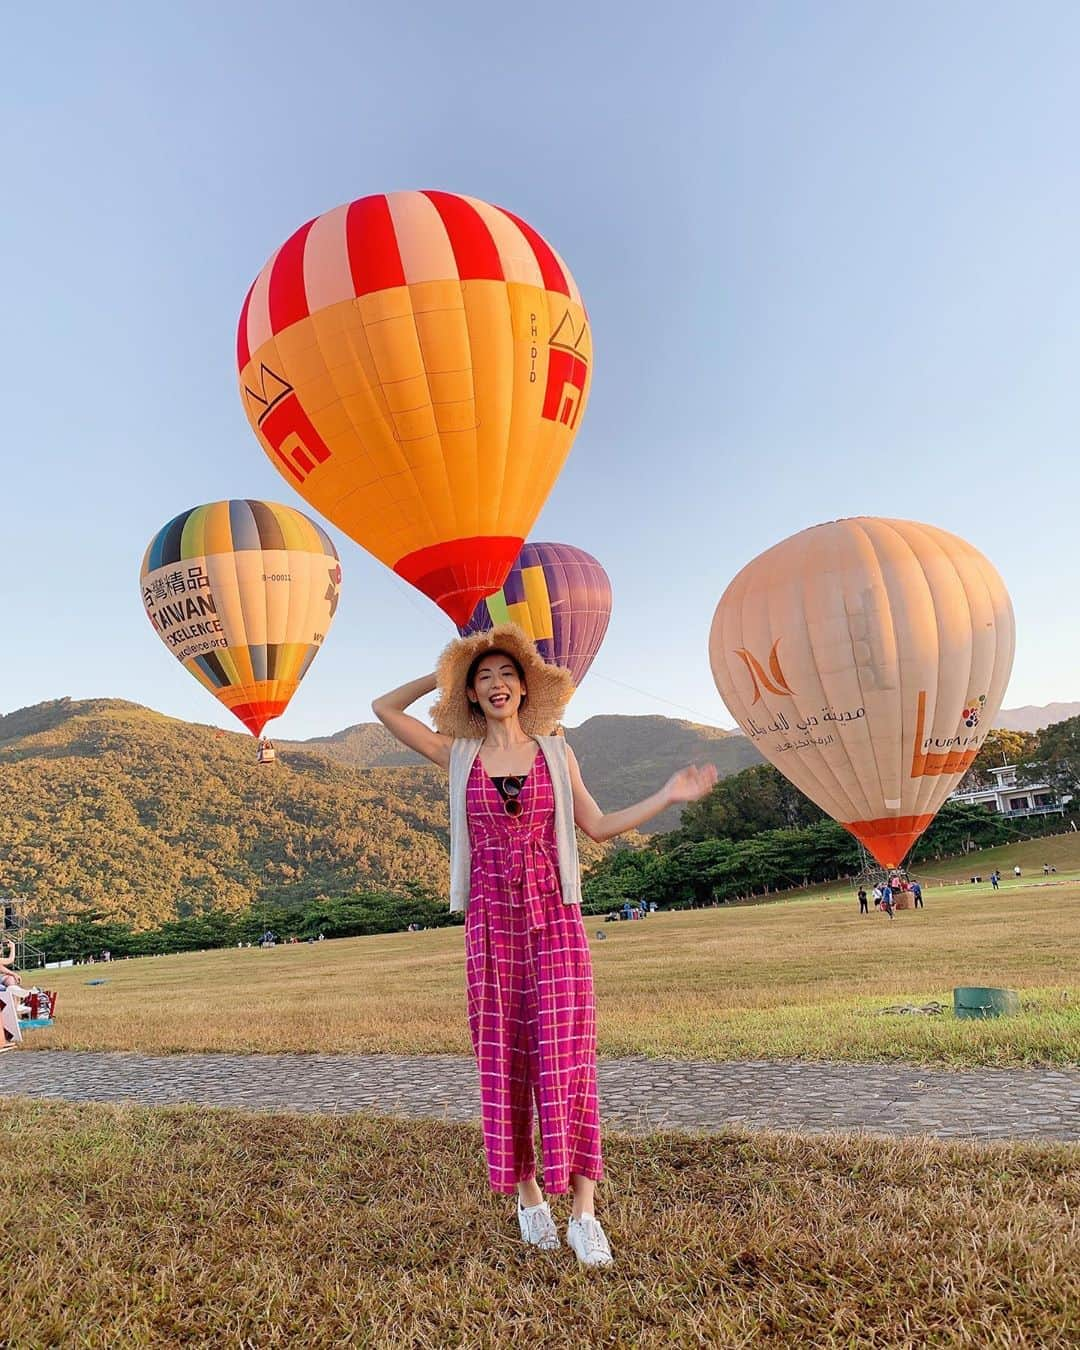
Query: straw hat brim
548, 688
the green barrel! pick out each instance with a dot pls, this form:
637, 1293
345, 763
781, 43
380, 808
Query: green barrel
985, 1002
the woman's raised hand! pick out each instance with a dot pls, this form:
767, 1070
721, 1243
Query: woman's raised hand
691, 783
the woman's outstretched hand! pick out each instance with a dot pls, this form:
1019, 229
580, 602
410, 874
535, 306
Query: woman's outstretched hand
690, 784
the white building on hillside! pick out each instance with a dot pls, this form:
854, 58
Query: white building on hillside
1010, 799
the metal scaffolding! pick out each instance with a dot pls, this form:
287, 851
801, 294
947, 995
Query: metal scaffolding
16, 927
871, 873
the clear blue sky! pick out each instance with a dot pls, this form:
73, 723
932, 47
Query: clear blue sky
829, 251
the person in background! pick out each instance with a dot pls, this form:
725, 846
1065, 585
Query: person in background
916, 891
9, 976
995, 877
1016, 871
887, 901
11, 991
863, 909
10, 1034
877, 897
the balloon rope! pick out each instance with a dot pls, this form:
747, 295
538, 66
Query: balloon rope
702, 717
403, 590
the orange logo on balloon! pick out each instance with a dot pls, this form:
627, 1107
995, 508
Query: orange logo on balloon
777, 685
932, 757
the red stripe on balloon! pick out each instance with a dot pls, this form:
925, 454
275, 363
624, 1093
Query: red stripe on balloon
256, 715
475, 252
374, 258
243, 352
554, 277
288, 296
459, 573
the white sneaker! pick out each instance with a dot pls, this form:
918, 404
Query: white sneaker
537, 1226
589, 1241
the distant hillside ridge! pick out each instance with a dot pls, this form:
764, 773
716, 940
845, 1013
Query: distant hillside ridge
1031, 718
367, 745
622, 758
116, 810
113, 809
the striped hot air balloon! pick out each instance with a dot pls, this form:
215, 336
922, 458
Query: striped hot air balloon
560, 596
867, 659
416, 365
243, 594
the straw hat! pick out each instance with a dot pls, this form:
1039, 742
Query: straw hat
548, 688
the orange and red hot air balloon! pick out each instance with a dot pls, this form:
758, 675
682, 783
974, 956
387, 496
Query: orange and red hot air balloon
416, 365
867, 659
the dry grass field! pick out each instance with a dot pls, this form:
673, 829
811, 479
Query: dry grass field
187, 1227
802, 978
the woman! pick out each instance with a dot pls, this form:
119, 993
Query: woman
9, 976
515, 796
10, 993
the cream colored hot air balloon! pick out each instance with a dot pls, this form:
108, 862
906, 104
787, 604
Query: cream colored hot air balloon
867, 659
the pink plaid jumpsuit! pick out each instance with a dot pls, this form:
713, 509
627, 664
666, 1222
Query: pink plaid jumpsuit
532, 1013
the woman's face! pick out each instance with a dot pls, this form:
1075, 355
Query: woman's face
497, 689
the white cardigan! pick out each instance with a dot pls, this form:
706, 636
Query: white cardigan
463, 755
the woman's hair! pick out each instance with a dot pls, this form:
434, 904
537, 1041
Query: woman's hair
474, 665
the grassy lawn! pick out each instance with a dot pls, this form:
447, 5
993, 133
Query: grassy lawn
196, 1227
804, 978
1061, 851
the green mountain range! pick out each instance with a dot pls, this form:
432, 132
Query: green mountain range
113, 809
622, 758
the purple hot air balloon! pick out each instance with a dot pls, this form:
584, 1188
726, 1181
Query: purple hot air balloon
560, 596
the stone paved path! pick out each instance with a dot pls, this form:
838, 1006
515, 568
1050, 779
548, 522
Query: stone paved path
637, 1095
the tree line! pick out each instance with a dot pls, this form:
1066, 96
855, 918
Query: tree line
281, 848
755, 833
357, 915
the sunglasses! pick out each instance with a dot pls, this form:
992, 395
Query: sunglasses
512, 786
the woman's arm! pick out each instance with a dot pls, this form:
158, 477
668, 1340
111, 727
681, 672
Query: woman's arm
410, 731
685, 786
